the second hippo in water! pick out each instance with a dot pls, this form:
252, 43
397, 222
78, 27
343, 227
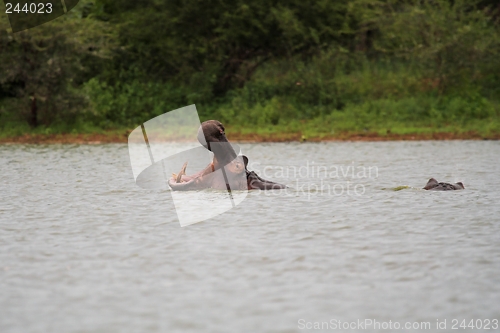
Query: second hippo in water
434, 185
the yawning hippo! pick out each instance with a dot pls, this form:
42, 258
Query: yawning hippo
227, 170
433, 185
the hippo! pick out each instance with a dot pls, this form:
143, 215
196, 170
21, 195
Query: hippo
433, 185
227, 171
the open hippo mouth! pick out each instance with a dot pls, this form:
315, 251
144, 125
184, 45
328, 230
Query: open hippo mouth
227, 171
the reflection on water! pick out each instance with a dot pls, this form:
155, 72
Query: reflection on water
83, 249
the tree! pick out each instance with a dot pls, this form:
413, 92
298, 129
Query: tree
39, 66
455, 42
219, 43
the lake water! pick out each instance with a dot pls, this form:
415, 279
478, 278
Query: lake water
84, 249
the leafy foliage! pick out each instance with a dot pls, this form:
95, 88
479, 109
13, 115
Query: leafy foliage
222, 41
363, 63
39, 65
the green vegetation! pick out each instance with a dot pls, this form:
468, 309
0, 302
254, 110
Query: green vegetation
397, 188
318, 68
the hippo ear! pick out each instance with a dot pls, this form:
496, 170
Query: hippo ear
431, 183
461, 185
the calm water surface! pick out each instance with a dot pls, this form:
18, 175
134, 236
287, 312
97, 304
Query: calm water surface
83, 249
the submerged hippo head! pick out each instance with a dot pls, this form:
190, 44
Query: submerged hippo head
434, 185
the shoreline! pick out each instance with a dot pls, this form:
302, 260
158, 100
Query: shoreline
238, 136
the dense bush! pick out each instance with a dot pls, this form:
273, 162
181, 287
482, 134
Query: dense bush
366, 63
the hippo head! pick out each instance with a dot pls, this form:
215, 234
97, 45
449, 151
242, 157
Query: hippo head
433, 184
212, 136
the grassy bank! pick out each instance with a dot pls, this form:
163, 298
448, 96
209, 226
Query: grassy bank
326, 98
319, 129
282, 119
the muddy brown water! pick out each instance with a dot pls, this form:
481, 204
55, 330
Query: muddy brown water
83, 249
